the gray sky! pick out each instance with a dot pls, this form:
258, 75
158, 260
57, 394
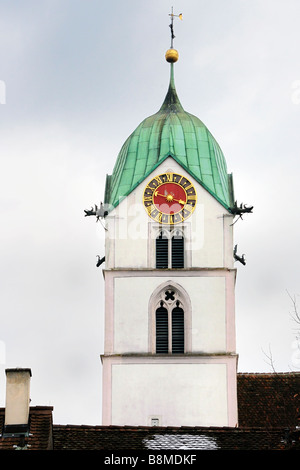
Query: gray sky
76, 78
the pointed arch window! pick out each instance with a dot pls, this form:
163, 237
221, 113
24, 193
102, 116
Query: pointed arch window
170, 320
170, 249
170, 328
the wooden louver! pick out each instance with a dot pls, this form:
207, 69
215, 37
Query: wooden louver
162, 251
177, 252
177, 330
162, 330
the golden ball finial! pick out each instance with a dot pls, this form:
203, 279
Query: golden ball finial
172, 55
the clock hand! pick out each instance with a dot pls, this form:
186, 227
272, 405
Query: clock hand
169, 198
156, 193
166, 196
180, 201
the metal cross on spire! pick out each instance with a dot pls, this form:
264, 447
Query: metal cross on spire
171, 25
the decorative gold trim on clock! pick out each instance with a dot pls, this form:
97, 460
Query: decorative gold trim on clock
169, 198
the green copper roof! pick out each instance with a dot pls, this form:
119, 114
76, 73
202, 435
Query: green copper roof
176, 133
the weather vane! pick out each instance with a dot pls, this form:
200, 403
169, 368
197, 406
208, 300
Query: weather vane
171, 25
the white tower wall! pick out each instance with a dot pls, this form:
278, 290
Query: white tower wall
197, 387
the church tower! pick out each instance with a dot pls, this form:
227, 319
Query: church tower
169, 354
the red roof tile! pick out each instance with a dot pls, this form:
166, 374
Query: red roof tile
40, 431
269, 400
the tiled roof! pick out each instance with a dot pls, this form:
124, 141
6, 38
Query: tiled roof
120, 438
269, 400
269, 410
40, 431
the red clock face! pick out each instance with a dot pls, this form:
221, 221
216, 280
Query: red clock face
169, 198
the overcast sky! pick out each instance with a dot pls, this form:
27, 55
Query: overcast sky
76, 78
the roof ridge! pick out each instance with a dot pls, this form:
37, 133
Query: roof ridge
270, 373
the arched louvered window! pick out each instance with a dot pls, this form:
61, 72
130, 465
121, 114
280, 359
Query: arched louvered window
162, 330
170, 250
177, 330
169, 324
170, 320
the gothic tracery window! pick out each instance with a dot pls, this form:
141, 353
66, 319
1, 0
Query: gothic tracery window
169, 324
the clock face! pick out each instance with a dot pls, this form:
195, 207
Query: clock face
169, 198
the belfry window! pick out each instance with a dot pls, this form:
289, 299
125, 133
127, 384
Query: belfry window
162, 251
169, 324
177, 250
170, 250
